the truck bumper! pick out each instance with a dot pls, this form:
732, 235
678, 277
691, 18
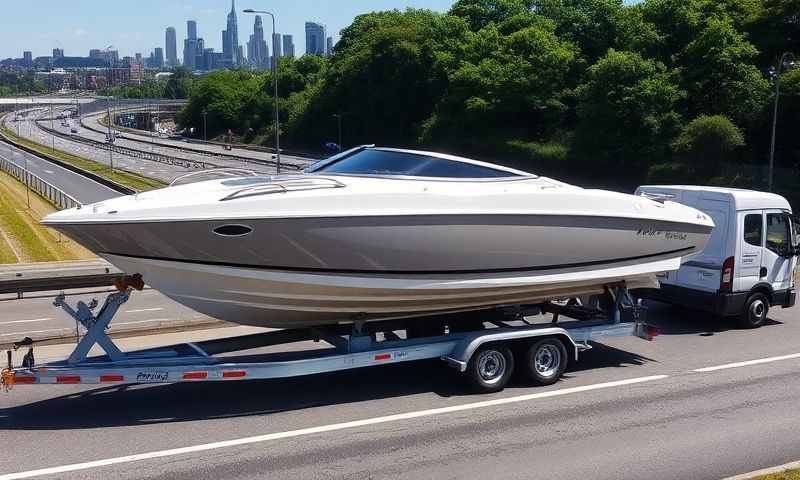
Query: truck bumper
717, 303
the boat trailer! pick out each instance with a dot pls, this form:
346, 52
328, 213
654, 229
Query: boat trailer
486, 353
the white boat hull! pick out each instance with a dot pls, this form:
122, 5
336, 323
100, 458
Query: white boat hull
279, 299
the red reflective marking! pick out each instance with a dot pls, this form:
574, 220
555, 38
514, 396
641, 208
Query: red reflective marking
195, 375
234, 374
24, 379
383, 356
68, 379
111, 378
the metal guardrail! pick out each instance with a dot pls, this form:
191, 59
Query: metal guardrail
53, 194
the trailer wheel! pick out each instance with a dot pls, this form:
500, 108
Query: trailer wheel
755, 311
490, 368
544, 361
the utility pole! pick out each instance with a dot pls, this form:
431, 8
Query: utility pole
110, 139
786, 61
52, 132
338, 117
205, 121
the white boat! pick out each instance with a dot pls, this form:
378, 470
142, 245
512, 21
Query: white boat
375, 233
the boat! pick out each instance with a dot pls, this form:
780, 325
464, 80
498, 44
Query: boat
375, 233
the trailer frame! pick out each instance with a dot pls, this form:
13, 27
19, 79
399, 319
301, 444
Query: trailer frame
351, 346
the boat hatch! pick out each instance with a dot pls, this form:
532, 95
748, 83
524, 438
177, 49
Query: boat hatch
285, 186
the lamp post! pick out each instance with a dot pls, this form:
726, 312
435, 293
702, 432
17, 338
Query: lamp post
786, 61
52, 132
338, 117
205, 131
110, 139
275, 81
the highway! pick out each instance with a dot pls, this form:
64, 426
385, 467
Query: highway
79, 187
703, 401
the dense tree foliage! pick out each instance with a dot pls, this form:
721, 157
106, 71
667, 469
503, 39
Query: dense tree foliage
591, 90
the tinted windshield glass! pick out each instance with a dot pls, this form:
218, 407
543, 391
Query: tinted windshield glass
382, 162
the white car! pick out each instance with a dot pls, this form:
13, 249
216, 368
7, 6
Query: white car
748, 264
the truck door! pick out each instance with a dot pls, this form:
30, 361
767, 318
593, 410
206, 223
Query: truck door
776, 267
747, 268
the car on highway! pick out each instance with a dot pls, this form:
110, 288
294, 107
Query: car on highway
748, 264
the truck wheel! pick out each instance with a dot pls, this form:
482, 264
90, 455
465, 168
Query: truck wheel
490, 368
544, 361
755, 311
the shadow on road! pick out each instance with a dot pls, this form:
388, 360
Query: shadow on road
680, 321
183, 402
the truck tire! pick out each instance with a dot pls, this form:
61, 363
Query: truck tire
544, 361
755, 311
490, 368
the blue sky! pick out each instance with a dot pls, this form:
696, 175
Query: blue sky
138, 26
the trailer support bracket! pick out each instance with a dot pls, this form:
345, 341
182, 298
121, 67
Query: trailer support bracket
96, 326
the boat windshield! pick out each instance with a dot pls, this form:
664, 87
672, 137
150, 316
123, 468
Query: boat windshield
391, 162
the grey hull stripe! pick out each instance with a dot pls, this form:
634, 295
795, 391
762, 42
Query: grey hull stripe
416, 272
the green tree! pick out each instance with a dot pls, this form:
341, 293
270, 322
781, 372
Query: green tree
480, 13
627, 115
706, 143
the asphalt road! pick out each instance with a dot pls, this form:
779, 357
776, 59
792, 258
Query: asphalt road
629, 409
79, 187
36, 315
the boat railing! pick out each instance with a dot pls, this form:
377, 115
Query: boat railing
214, 172
284, 186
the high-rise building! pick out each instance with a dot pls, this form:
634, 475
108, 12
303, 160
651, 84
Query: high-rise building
171, 47
315, 38
158, 58
190, 46
288, 46
230, 38
257, 50
58, 53
277, 51
27, 57
328, 46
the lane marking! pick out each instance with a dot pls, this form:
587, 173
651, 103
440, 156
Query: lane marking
26, 321
324, 428
747, 363
144, 310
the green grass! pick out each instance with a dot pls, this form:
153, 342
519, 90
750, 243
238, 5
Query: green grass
6, 254
785, 475
13, 223
132, 180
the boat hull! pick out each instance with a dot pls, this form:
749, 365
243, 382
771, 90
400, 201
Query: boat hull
284, 299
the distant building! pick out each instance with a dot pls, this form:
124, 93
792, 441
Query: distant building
27, 58
257, 50
158, 58
212, 60
288, 46
230, 38
315, 38
171, 47
108, 56
190, 46
58, 53
328, 46
136, 73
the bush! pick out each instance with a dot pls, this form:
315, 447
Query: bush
706, 142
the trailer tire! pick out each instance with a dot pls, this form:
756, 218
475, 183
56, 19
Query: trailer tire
544, 361
490, 368
755, 311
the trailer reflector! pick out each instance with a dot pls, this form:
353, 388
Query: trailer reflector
112, 378
195, 375
68, 379
24, 380
383, 356
234, 374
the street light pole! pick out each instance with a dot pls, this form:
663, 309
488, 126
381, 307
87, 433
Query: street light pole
338, 117
52, 132
275, 81
787, 60
205, 121
110, 139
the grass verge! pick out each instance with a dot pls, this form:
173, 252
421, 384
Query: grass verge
22, 237
785, 475
132, 180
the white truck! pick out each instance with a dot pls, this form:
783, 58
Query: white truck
748, 264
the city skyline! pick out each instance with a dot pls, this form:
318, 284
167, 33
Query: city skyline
95, 28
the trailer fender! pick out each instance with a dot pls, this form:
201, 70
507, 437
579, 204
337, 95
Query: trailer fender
462, 353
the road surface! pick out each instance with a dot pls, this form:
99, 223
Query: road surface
629, 410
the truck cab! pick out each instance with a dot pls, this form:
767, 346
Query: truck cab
749, 262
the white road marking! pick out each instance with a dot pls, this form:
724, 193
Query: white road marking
747, 363
144, 310
322, 429
26, 321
